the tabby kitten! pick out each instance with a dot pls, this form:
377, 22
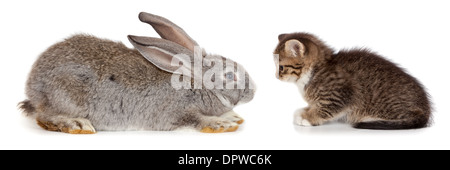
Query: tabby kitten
360, 86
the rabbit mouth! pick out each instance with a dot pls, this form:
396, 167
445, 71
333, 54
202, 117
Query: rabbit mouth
246, 95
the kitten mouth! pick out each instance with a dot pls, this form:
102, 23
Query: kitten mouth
291, 79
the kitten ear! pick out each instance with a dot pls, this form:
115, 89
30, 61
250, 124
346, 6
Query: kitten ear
294, 48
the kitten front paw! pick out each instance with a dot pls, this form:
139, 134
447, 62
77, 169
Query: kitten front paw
298, 119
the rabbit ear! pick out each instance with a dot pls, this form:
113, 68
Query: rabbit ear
281, 36
163, 53
168, 30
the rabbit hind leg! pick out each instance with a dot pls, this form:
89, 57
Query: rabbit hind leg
67, 125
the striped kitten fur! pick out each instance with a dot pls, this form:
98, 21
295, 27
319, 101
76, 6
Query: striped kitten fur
360, 86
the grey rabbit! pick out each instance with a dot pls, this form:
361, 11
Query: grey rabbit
85, 84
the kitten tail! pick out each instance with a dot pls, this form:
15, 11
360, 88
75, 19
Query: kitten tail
419, 122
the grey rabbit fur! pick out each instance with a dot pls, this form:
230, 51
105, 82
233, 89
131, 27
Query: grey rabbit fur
86, 84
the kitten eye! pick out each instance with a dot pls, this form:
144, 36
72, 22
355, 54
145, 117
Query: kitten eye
230, 76
281, 68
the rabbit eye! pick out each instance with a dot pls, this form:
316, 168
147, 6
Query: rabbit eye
230, 76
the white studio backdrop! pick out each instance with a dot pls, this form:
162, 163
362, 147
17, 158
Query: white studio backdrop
414, 34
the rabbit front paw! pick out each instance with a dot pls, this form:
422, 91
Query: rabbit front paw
233, 116
219, 125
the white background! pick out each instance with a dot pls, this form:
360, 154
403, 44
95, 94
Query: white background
414, 34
